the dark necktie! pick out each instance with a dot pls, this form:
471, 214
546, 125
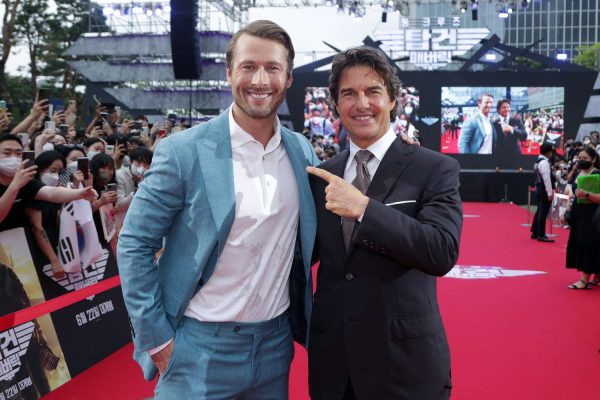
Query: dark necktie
361, 182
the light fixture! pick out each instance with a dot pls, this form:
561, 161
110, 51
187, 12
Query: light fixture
474, 10
562, 56
137, 10
463, 7
328, 3
503, 13
490, 57
106, 11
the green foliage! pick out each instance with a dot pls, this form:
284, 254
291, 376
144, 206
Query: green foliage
588, 56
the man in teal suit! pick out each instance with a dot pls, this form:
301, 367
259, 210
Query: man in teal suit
216, 313
477, 134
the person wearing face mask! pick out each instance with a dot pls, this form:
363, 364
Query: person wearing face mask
44, 216
18, 186
94, 146
102, 168
583, 252
128, 178
318, 124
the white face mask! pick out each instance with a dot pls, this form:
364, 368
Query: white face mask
91, 154
9, 166
586, 142
50, 179
138, 171
47, 147
316, 120
72, 167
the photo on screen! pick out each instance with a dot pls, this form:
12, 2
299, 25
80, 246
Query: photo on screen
408, 112
320, 122
474, 123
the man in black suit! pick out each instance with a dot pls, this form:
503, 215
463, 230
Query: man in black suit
510, 131
376, 330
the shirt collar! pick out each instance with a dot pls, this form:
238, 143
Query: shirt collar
483, 116
240, 137
379, 148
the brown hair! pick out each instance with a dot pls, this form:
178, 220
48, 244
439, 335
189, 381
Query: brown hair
501, 102
369, 57
263, 29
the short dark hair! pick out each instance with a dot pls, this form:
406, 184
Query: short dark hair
141, 154
46, 158
480, 98
501, 102
9, 136
593, 155
369, 57
263, 29
546, 148
90, 141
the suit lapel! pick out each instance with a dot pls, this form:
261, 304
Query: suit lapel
393, 164
308, 216
332, 221
215, 158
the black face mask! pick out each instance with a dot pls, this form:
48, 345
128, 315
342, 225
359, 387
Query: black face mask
584, 164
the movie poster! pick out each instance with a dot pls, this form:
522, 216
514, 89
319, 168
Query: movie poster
31, 358
93, 328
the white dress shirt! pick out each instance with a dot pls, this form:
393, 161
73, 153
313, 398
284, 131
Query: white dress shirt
488, 141
250, 280
544, 169
379, 148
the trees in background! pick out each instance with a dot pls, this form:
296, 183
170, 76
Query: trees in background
46, 28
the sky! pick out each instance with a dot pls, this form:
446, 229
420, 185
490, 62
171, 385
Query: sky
308, 28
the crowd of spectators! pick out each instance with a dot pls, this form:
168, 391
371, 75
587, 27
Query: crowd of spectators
49, 159
577, 207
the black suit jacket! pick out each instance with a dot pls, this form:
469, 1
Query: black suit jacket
375, 317
509, 145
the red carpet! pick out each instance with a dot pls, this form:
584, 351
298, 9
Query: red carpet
524, 338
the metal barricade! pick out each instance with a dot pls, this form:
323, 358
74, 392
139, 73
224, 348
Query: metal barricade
530, 189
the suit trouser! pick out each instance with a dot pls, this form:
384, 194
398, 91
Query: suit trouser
229, 360
538, 226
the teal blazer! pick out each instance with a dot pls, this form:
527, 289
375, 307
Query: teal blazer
187, 198
472, 134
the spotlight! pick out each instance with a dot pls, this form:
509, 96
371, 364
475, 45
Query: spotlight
106, 11
474, 10
503, 13
490, 57
137, 10
149, 13
463, 7
328, 3
562, 56
167, 9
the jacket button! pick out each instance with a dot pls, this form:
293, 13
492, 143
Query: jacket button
349, 276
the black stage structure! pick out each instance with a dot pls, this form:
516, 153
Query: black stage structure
483, 177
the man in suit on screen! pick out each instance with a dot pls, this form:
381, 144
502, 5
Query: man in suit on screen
389, 221
510, 131
477, 134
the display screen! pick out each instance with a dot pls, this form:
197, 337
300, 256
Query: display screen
500, 120
319, 119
